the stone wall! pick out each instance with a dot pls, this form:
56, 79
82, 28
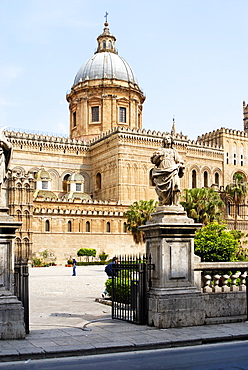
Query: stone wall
224, 304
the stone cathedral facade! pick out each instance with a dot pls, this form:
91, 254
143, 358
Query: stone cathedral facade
72, 193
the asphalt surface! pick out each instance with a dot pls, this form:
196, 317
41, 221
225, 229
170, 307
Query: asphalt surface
66, 320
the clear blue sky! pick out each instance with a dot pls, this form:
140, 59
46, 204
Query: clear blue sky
189, 56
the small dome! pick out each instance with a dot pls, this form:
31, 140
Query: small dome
42, 175
76, 177
105, 65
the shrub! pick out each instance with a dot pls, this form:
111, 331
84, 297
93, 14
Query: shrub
37, 262
92, 263
122, 288
213, 243
103, 256
86, 252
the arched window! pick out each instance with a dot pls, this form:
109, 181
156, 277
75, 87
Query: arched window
26, 221
216, 179
74, 115
228, 208
151, 182
27, 194
125, 227
104, 44
234, 159
205, 179
47, 225
19, 215
65, 182
87, 226
108, 227
26, 251
98, 181
69, 227
194, 179
19, 193
18, 249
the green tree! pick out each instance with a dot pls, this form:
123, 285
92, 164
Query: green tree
87, 252
204, 205
213, 243
137, 215
237, 191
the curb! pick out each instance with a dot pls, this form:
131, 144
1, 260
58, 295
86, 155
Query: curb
46, 354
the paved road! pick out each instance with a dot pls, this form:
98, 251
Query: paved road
58, 299
227, 356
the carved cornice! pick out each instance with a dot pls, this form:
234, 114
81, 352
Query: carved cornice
145, 137
77, 208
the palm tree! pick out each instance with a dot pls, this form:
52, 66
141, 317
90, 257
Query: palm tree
237, 191
137, 215
204, 205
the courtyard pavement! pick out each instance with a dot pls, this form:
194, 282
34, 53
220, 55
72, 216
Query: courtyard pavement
65, 320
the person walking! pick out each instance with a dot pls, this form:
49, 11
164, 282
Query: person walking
110, 272
74, 267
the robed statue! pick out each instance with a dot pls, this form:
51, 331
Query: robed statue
166, 174
5, 155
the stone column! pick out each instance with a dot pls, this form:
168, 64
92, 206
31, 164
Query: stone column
11, 310
174, 300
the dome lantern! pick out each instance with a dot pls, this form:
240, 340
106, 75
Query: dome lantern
106, 41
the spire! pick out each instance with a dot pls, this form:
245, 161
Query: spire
173, 128
106, 41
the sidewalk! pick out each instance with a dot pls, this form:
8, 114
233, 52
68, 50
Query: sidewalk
67, 321
114, 336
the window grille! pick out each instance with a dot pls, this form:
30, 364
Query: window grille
78, 187
122, 115
45, 185
95, 114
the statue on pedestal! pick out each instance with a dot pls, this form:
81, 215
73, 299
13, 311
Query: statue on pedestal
5, 154
166, 174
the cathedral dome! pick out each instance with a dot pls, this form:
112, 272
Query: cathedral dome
106, 63
105, 93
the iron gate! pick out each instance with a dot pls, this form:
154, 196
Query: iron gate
130, 281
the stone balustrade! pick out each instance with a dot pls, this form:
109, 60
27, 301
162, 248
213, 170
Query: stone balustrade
217, 277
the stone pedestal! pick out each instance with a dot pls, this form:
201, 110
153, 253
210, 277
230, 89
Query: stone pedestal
174, 300
11, 310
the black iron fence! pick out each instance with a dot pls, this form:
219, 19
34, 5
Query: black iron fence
22, 288
130, 284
